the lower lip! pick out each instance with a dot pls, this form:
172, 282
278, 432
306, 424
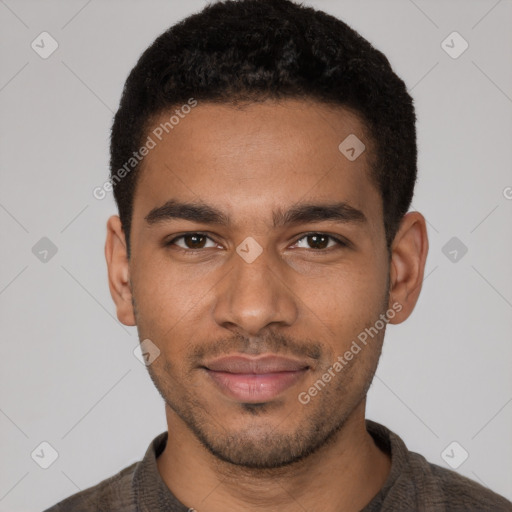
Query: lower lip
255, 388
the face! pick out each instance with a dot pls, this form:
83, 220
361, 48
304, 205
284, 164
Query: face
258, 262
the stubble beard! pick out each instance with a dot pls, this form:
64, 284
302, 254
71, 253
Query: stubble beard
265, 446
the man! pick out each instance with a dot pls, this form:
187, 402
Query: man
263, 160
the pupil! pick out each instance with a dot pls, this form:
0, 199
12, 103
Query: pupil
316, 243
195, 243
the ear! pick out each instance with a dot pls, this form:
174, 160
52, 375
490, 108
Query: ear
408, 256
119, 271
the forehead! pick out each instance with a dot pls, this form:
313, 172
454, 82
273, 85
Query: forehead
263, 154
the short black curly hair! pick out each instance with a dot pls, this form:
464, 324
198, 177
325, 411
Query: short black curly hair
249, 50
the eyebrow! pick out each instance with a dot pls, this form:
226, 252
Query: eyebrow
203, 213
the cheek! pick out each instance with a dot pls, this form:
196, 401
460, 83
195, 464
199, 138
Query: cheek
166, 305
166, 290
344, 303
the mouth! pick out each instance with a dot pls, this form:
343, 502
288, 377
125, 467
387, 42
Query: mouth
255, 379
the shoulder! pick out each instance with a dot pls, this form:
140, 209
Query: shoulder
414, 483
447, 488
112, 494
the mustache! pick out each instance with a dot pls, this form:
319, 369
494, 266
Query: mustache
275, 343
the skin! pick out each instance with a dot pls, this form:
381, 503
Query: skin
298, 298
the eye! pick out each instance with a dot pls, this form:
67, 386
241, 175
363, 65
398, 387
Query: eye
192, 241
319, 241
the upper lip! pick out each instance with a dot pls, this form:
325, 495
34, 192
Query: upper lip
255, 365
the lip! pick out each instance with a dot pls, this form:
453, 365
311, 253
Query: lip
255, 379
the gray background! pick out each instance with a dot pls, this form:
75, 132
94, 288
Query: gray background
67, 369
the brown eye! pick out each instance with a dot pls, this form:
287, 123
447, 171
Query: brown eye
319, 241
191, 241
194, 241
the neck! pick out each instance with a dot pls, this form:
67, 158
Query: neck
342, 476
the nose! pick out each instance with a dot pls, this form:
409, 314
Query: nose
255, 295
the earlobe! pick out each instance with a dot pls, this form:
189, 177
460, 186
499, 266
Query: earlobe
119, 271
408, 257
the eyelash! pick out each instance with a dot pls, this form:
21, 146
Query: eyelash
338, 241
